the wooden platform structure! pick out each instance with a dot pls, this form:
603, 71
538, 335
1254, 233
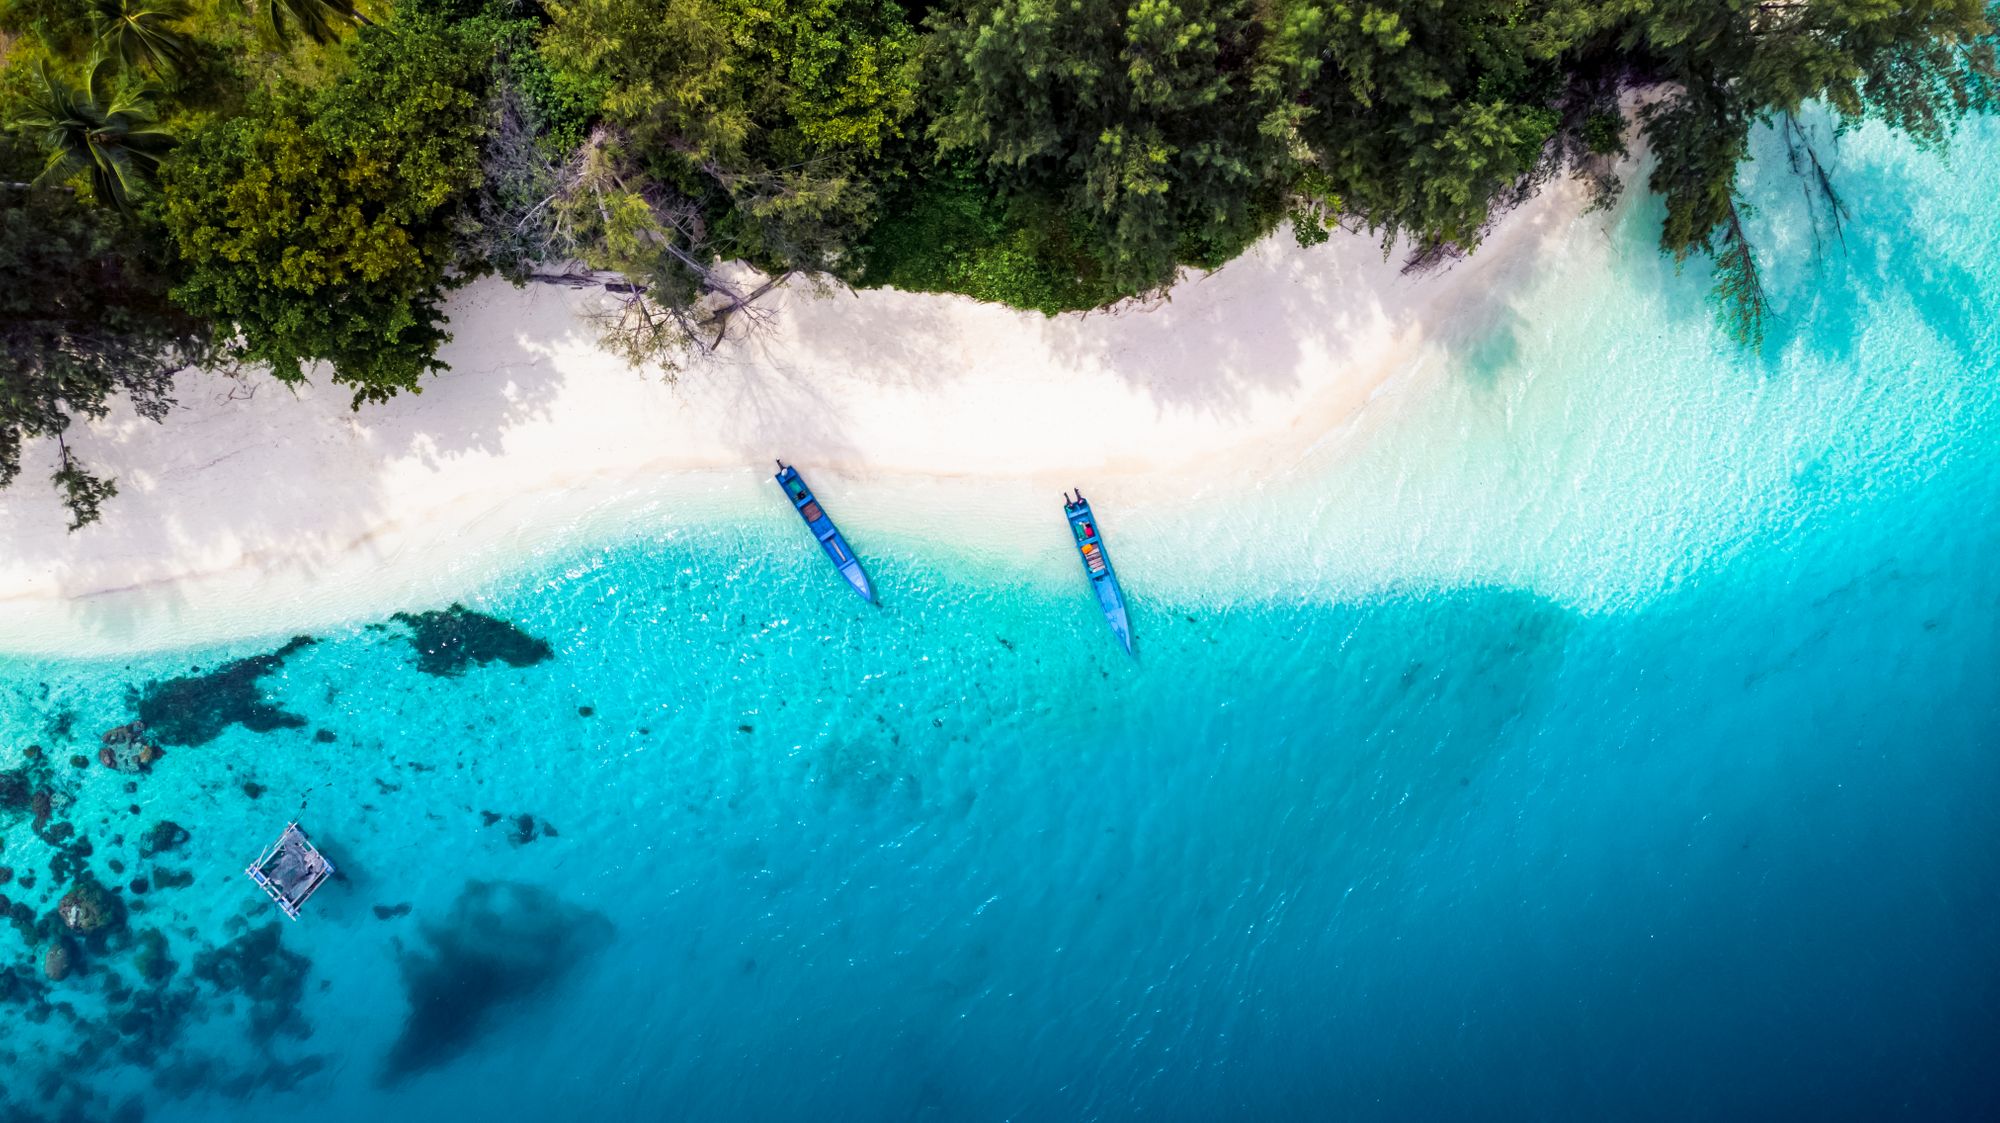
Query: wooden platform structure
291, 869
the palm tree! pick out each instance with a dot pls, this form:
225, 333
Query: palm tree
99, 129
137, 32
319, 20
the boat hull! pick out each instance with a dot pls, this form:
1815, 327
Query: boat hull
1097, 568
831, 541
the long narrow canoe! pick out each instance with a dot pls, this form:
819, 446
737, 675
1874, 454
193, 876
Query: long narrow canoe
1097, 566
823, 529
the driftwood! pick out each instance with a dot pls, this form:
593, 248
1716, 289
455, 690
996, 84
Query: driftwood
647, 329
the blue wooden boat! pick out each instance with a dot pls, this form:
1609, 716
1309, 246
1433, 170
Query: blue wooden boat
1097, 566
823, 529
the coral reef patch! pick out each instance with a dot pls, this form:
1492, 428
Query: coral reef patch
196, 708
97, 968
449, 641
257, 966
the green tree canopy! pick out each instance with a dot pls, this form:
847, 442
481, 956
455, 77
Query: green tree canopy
1418, 115
1146, 118
763, 114
1728, 67
62, 26
319, 222
318, 21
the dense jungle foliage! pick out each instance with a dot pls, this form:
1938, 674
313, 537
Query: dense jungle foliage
300, 182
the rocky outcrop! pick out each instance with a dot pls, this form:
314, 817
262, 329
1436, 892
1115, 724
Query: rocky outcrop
58, 961
128, 749
165, 837
89, 907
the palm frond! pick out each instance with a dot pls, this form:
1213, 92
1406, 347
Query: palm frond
321, 21
141, 33
104, 131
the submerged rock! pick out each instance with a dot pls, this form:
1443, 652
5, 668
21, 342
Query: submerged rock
124, 734
165, 837
151, 958
522, 828
15, 789
127, 749
153, 1022
58, 961
18, 986
502, 945
89, 907
22, 917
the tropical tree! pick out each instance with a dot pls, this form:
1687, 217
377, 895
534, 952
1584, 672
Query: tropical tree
1919, 67
320, 223
85, 318
1418, 117
1142, 121
321, 21
141, 33
766, 115
104, 129
62, 26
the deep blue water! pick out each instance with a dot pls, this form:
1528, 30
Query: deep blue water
1410, 849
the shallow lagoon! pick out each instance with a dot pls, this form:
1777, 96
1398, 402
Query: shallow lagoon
1605, 729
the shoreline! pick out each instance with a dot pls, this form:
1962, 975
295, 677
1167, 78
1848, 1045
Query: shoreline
255, 509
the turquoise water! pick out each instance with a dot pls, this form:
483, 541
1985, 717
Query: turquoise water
1608, 731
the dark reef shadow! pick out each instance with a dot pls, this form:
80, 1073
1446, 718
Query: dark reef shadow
502, 945
450, 640
195, 708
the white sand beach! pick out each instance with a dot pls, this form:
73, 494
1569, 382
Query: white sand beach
255, 506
